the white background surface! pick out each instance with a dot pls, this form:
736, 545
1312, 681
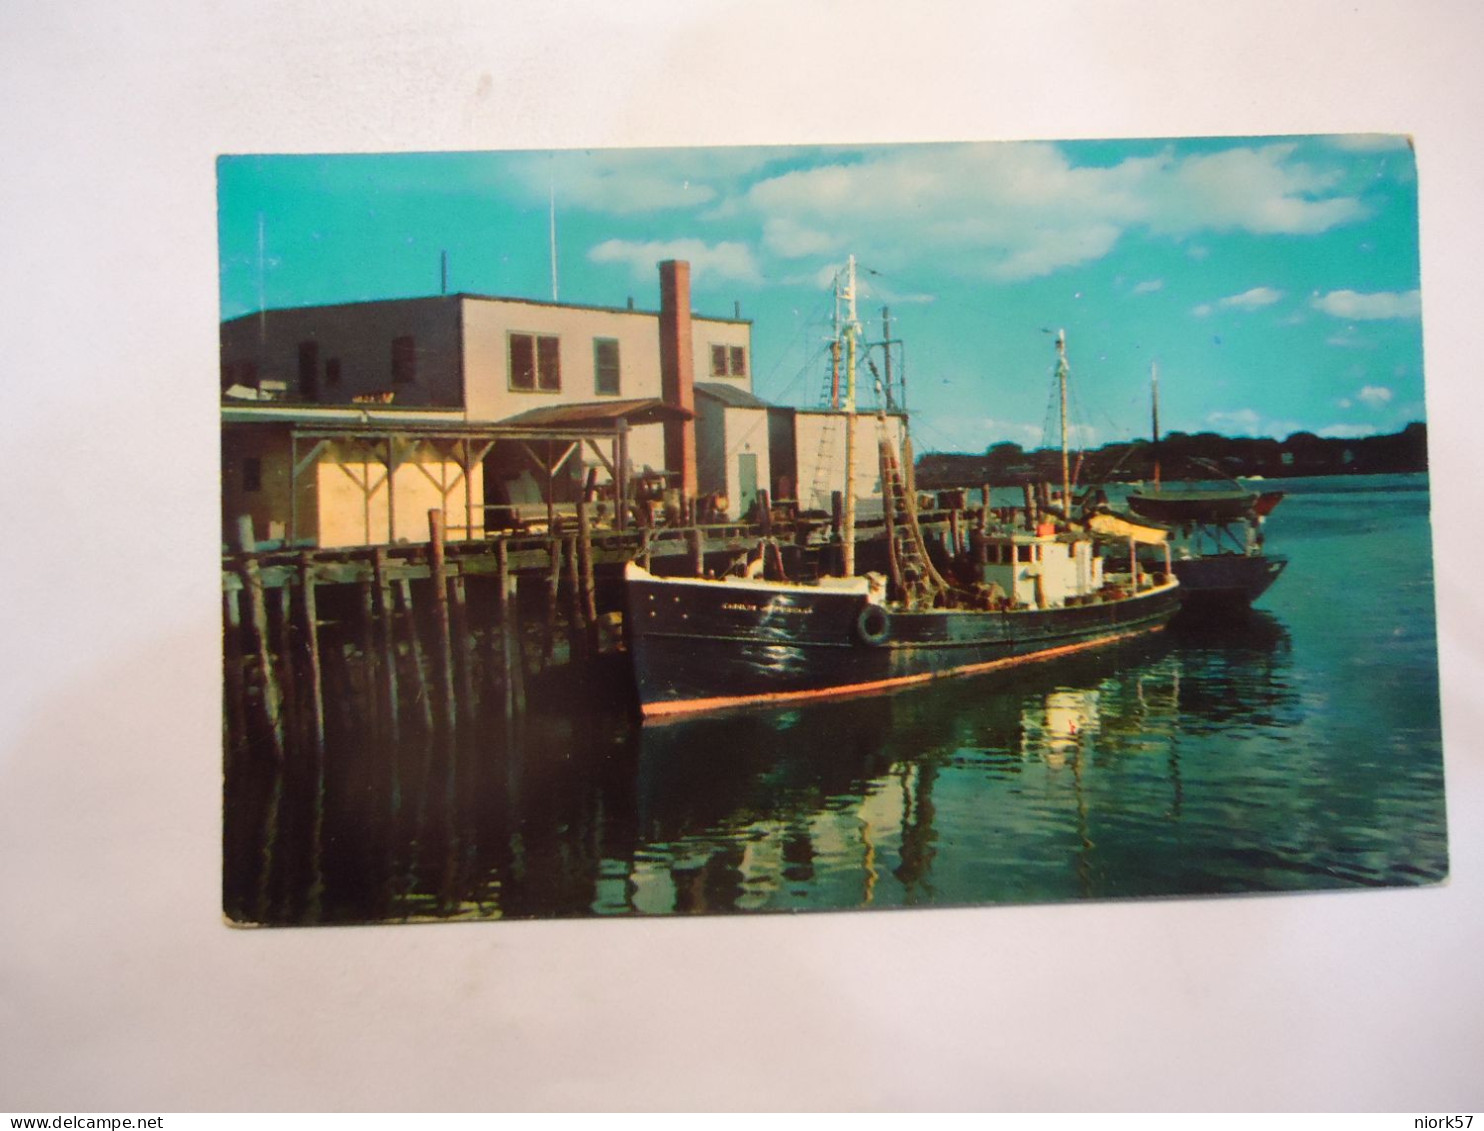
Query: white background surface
121, 990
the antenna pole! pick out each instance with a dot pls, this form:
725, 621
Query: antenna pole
1061, 377
552, 207
1154, 389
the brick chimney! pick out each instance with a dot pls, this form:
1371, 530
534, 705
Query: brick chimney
678, 371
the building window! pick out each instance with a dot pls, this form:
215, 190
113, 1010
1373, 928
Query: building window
332, 371
309, 370
404, 360
728, 361
252, 474
535, 363
605, 367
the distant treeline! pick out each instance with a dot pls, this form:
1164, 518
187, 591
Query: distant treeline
1202, 455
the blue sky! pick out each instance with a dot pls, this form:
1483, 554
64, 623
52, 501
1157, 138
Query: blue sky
1274, 281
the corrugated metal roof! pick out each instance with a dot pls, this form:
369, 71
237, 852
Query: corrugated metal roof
649, 410
730, 395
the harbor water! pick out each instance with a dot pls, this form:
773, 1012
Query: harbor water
1296, 747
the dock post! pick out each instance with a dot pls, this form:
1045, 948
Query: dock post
506, 650
415, 645
765, 514
553, 591
388, 659
316, 670
443, 635
585, 555
252, 580
575, 634
984, 510
236, 686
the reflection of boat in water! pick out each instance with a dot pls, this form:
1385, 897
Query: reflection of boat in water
1017, 594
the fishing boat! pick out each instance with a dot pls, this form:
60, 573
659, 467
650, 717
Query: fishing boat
1014, 592
1216, 533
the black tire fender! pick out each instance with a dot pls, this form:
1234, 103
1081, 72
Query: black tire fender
872, 625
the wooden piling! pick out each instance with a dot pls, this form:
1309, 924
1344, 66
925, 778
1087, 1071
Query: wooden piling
415, 646
316, 688
984, 509
553, 592
386, 621
585, 558
764, 514
464, 660
292, 717
370, 668
252, 580
236, 682
442, 633
505, 651
575, 630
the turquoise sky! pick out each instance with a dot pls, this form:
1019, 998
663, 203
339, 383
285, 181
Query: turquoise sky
1274, 281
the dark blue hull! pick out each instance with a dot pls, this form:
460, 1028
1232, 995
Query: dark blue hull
699, 645
1226, 580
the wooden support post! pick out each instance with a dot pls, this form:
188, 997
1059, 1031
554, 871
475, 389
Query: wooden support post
316, 671
955, 540
285, 644
370, 673
506, 649
1133, 565
553, 591
419, 660
464, 660
585, 555
257, 604
442, 634
764, 514
1029, 491
517, 666
837, 514
236, 684
984, 510
246, 540
386, 619
575, 633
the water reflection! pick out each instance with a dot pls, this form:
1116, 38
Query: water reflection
1112, 773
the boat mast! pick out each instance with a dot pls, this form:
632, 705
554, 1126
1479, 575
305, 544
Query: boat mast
1154, 389
852, 331
1066, 470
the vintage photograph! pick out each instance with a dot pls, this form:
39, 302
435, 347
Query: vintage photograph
760, 529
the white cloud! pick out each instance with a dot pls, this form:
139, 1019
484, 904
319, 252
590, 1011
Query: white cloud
1345, 431
1018, 211
1344, 402
1149, 286
1374, 395
1370, 307
727, 261
1255, 299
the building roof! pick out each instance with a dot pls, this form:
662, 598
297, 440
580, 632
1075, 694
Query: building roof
730, 395
463, 296
650, 410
